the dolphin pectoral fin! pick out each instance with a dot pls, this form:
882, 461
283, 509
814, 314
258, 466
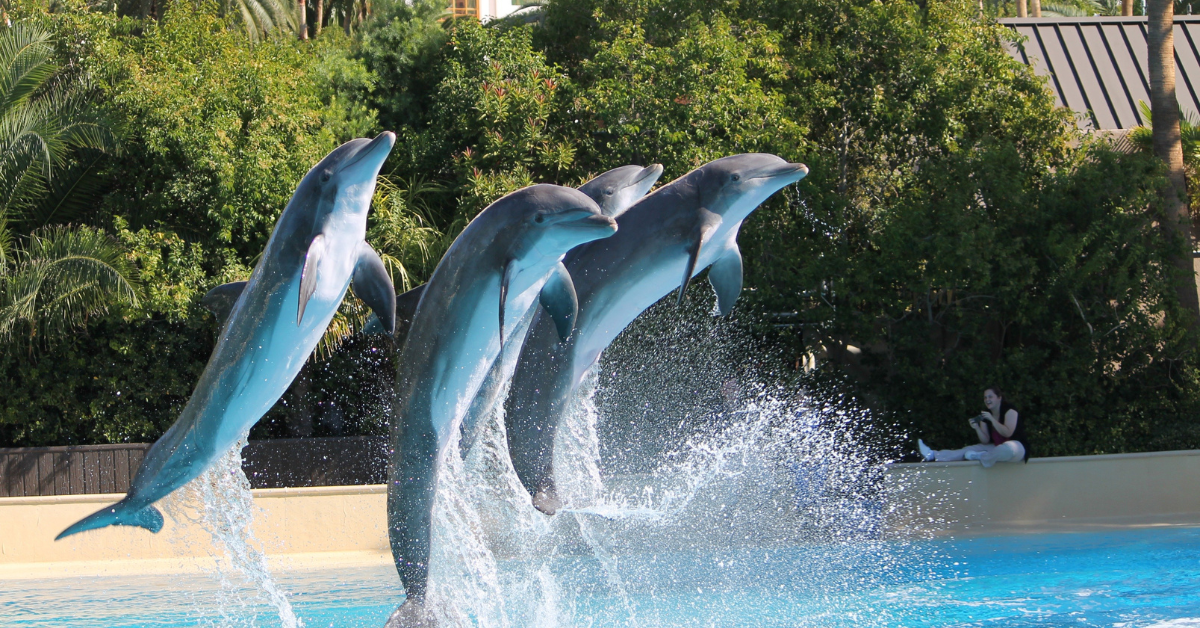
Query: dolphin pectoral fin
561, 303
707, 224
374, 287
117, 515
725, 275
220, 300
693, 254
308, 276
504, 278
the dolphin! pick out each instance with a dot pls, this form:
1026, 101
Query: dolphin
663, 241
618, 189
508, 258
270, 326
614, 191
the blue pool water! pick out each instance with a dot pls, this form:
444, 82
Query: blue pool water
1143, 577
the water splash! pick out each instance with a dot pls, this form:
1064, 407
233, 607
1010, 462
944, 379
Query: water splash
220, 502
769, 483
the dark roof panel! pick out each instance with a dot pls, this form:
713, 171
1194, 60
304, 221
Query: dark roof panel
1097, 65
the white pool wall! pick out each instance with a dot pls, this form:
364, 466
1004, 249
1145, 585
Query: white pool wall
1050, 494
329, 526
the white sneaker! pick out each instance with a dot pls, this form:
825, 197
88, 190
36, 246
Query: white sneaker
972, 455
926, 452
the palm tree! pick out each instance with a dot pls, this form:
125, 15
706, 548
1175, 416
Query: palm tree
52, 278
261, 17
60, 279
1168, 141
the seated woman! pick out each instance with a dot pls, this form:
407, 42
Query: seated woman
1001, 435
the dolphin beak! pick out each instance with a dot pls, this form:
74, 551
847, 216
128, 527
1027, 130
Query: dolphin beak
794, 172
374, 153
652, 172
593, 226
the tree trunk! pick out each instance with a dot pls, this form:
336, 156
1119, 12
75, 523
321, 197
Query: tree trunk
302, 26
1168, 143
1021, 12
349, 15
320, 16
1127, 8
1036, 6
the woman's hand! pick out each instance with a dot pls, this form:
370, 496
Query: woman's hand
980, 429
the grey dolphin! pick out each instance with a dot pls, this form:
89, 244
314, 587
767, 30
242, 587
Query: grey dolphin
614, 191
662, 242
507, 258
618, 189
273, 323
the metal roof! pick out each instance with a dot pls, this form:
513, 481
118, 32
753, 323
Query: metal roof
1097, 65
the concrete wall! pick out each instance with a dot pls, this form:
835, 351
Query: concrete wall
346, 525
1068, 493
297, 522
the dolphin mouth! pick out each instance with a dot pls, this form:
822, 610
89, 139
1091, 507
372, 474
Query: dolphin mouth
592, 223
378, 149
652, 171
782, 171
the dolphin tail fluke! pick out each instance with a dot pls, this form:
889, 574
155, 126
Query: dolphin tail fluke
117, 515
411, 614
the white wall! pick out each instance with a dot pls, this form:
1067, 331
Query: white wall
498, 8
1045, 494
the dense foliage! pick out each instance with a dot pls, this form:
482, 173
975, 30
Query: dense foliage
955, 230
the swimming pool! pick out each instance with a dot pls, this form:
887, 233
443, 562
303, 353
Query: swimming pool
1140, 577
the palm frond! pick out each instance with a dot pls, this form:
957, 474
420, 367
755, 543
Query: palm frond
72, 193
263, 16
62, 277
350, 319
6, 243
1142, 137
26, 63
403, 232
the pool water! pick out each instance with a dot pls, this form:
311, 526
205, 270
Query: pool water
1142, 577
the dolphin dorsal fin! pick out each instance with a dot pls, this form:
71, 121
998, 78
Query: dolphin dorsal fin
559, 298
220, 300
406, 310
373, 285
725, 275
308, 276
708, 223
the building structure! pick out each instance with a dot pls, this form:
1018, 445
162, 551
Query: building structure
1097, 65
484, 10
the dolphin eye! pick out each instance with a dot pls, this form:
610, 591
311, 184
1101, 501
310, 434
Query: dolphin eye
539, 218
736, 177
325, 177
608, 192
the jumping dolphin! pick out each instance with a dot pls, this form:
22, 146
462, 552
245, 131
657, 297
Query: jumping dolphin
507, 258
273, 323
663, 241
614, 191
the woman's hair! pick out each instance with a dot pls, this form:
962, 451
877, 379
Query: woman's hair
995, 389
